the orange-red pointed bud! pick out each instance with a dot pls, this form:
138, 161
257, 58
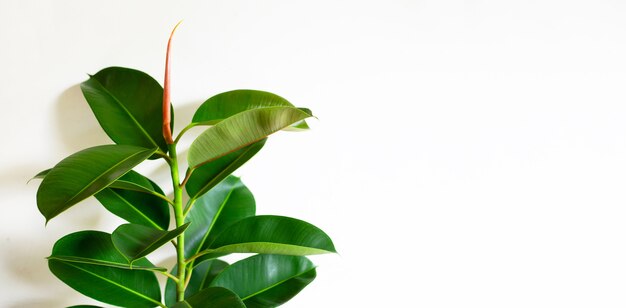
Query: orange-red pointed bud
167, 117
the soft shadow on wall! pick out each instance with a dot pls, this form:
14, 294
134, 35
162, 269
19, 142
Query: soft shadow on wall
24, 252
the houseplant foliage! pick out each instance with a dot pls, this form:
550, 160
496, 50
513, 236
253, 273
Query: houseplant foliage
216, 217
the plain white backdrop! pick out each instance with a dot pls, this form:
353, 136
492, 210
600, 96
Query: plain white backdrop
467, 153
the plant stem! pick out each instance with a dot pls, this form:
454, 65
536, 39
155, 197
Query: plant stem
180, 220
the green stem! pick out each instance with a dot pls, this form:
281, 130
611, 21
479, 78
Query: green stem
190, 203
180, 220
188, 127
168, 275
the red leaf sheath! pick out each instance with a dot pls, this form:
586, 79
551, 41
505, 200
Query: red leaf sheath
167, 131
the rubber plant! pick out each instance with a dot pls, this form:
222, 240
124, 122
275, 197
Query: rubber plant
214, 219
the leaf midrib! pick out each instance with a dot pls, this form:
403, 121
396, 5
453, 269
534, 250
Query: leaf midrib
276, 284
215, 218
130, 115
135, 209
165, 234
115, 284
73, 259
100, 176
241, 114
317, 251
240, 157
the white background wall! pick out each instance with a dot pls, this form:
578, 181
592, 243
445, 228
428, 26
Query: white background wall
467, 153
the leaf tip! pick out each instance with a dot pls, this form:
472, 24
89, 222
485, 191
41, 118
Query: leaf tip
176, 27
167, 131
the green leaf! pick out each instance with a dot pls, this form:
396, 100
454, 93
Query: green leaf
136, 199
85, 173
137, 241
226, 203
273, 235
241, 130
267, 280
84, 306
128, 105
210, 174
150, 189
126, 184
227, 104
214, 297
108, 284
202, 275
108, 263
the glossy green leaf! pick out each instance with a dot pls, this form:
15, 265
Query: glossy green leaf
129, 201
134, 198
84, 174
273, 235
128, 106
241, 130
137, 241
108, 263
227, 104
126, 184
267, 280
214, 297
210, 174
151, 189
226, 203
108, 284
202, 275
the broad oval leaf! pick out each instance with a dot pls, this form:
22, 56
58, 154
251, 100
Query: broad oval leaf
267, 280
202, 275
84, 174
273, 235
241, 130
210, 174
227, 104
214, 297
137, 241
226, 203
108, 284
136, 199
128, 106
